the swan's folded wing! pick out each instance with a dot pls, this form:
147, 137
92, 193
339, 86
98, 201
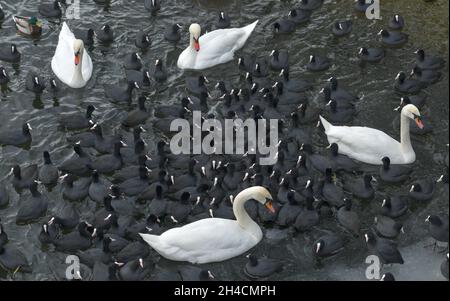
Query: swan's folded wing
207, 235
87, 66
21, 22
66, 33
63, 60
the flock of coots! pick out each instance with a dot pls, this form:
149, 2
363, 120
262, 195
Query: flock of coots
138, 192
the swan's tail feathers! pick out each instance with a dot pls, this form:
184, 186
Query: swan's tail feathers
245, 33
152, 240
326, 125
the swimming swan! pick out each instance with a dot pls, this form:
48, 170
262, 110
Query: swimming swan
71, 62
370, 145
214, 239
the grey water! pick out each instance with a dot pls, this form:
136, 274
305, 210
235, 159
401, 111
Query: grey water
426, 25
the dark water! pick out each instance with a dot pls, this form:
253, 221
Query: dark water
427, 26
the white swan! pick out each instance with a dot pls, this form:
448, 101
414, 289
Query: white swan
214, 239
71, 62
370, 145
214, 48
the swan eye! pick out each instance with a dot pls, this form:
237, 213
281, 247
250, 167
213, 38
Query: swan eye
318, 247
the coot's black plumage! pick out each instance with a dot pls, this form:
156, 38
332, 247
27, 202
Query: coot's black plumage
371, 55
342, 28
78, 121
299, 16
387, 227
78, 163
79, 239
394, 206
428, 62
23, 177
438, 228
393, 38
172, 33
394, 173
284, 26
4, 77
223, 21
310, 4
142, 40
152, 6
12, 259
105, 34
397, 22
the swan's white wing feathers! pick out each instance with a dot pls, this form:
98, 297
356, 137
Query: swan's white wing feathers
63, 61
216, 47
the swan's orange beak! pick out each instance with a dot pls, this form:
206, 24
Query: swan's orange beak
77, 59
269, 206
419, 123
196, 45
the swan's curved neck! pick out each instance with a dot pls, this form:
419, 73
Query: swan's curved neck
405, 138
77, 75
241, 214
